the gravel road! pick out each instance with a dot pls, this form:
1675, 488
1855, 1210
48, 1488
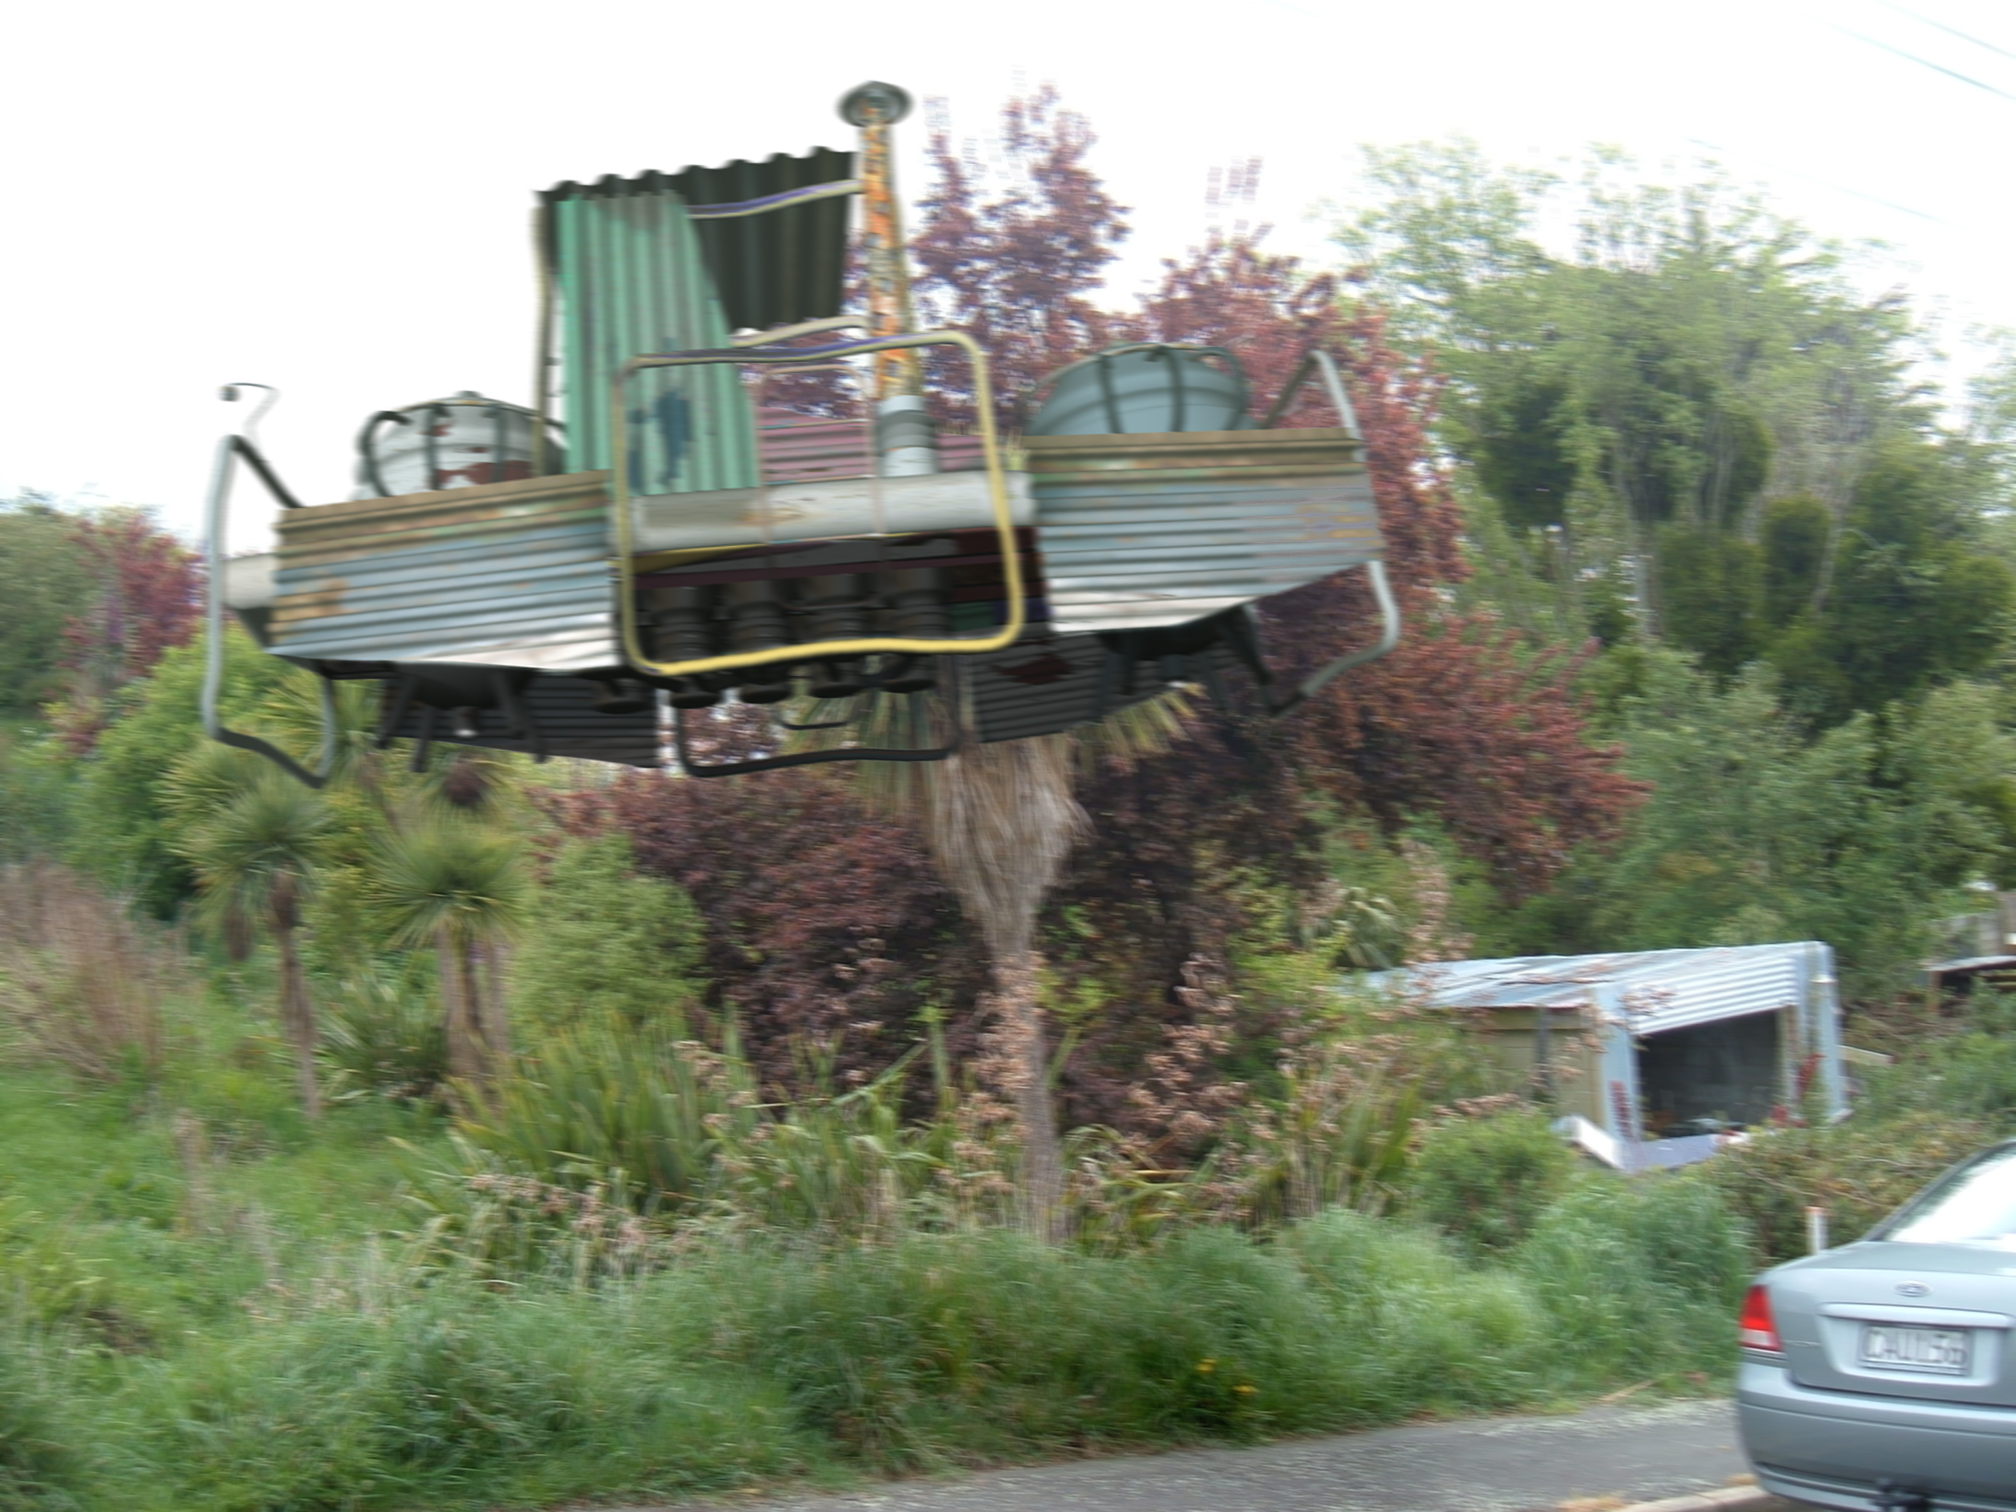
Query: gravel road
1604, 1457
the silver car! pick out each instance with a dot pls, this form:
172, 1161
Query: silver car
1881, 1376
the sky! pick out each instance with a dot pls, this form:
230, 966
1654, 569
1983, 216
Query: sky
335, 200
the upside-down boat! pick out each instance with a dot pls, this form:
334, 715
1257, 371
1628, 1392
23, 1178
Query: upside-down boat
681, 530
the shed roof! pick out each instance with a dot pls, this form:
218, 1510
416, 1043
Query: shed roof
1645, 990
784, 265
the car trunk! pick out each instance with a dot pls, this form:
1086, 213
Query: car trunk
1931, 1321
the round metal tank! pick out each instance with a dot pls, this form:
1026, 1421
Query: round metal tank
450, 443
1149, 389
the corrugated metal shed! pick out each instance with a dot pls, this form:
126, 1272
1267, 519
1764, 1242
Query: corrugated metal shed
632, 280
1648, 990
510, 574
1147, 530
774, 268
1634, 995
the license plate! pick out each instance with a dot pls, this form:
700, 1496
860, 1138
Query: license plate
1925, 1351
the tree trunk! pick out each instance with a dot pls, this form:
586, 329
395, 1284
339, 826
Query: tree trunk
465, 1055
1001, 821
1020, 1011
297, 1014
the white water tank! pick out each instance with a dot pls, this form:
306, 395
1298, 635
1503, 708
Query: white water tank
451, 443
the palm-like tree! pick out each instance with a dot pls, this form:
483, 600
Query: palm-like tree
254, 850
461, 887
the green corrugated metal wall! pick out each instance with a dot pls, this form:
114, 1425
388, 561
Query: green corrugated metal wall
632, 280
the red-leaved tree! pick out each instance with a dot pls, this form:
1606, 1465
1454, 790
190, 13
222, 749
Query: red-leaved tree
1019, 271
826, 922
147, 597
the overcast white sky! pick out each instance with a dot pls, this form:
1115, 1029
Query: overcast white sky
334, 198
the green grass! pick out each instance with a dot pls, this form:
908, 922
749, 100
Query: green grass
206, 1302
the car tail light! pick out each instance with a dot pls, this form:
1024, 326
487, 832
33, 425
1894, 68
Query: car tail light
1757, 1329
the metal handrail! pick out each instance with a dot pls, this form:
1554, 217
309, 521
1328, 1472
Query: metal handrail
1322, 361
229, 449
1004, 519
1389, 637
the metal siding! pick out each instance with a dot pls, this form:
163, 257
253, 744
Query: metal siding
632, 281
512, 574
1139, 531
1647, 992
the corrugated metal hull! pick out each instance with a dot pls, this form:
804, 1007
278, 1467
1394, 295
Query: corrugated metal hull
569, 725
1140, 531
1044, 685
508, 574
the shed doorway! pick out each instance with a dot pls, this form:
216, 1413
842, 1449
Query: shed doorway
1731, 1070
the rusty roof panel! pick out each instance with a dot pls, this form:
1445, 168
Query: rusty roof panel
1648, 991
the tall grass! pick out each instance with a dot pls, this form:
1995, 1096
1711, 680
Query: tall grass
81, 980
752, 1358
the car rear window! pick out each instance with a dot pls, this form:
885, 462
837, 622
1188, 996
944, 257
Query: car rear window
1972, 1204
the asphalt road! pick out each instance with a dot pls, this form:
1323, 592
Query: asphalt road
1604, 1457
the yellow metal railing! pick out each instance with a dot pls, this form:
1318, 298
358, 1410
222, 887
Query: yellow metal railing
997, 487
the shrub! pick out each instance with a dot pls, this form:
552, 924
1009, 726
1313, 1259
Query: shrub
1639, 1277
608, 945
1486, 1181
1858, 1172
80, 979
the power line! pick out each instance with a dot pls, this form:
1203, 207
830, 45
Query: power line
1829, 184
1951, 73
1951, 31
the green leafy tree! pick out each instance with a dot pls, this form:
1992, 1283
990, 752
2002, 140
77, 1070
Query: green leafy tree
45, 573
124, 829
611, 945
1759, 830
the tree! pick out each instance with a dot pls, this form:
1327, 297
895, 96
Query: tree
462, 888
1641, 401
44, 574
144, 600
254, 853
612, 944
1017, 272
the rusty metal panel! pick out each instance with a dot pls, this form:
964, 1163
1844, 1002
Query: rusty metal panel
632, 280
1146, 530
799, 448
819, 509
504, 574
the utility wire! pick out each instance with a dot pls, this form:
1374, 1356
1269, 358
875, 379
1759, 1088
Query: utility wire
1828, 184
1951, 31
1951, 73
